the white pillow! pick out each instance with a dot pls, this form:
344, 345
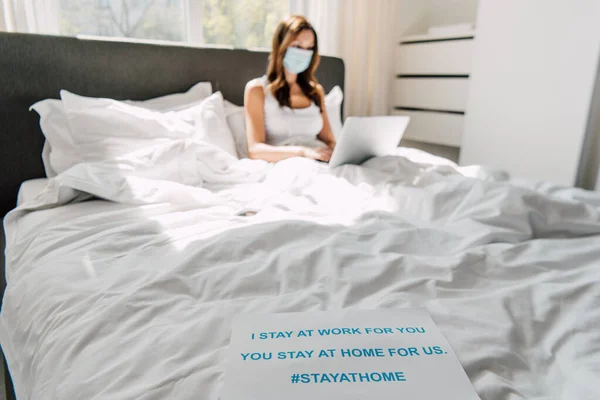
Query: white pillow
106, 128
30, 189
60, 153
103, 129
211, 123
46, 160
333, 105
177, 101
236, 119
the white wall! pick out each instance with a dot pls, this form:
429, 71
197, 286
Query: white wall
411, 17
416, 16
590, 176
592, 180
594, 168
447, 12
531, 87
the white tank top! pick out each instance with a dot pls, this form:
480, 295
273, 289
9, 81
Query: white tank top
285, 126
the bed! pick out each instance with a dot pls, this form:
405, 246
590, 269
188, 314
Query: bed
131, 295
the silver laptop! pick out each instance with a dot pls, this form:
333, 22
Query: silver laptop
363, 138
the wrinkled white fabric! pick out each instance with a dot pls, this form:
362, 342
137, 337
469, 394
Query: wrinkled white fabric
133, 300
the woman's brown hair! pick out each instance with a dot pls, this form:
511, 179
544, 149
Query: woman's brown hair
286, 33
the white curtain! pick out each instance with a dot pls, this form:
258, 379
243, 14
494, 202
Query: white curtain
30, 16
324, 16
362, 33
7, 16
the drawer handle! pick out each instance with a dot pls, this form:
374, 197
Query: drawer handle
431, 76
436, 40
429, 110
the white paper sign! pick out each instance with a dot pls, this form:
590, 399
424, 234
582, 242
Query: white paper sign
346, 354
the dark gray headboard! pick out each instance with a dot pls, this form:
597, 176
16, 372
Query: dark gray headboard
36, 67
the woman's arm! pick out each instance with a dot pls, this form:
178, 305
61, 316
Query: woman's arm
326, 135
254, 104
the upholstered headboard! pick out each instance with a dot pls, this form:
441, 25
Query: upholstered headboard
35, 67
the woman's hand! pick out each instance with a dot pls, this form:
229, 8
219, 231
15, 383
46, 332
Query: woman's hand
317, 153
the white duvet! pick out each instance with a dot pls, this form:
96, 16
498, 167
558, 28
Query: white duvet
132, 299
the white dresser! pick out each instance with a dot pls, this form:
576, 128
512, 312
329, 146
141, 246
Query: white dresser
431, 84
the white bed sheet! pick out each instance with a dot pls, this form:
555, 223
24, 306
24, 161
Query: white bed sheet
117, 301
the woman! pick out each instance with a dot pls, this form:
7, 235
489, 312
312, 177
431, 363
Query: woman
285, 109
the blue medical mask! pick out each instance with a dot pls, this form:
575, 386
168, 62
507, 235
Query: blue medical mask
297, 60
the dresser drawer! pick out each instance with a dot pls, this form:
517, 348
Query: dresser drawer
451, 57
445, 94
433, 127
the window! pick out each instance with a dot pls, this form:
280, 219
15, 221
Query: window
238, 23
141, 19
